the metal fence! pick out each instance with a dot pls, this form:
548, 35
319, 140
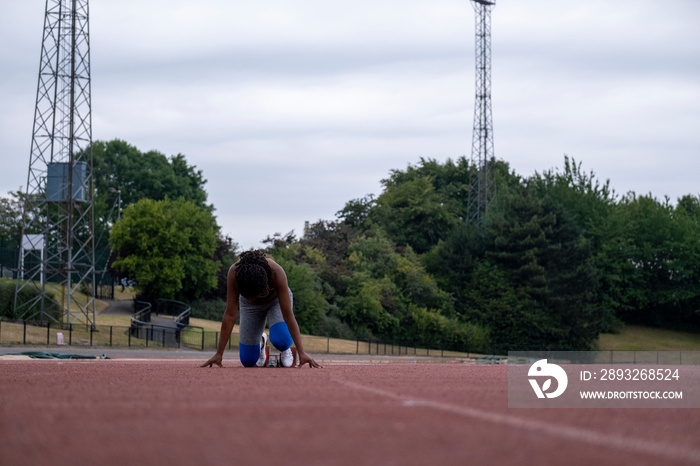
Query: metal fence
14, 333
203, 340
17, 332
144, 334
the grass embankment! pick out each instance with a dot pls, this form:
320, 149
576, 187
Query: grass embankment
113, 320
128, 293
638, 338
80, 299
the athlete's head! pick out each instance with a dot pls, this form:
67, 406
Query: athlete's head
252, 273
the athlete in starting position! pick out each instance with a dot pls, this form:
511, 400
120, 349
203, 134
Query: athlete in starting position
257, 286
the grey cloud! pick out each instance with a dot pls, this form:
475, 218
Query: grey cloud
322, 99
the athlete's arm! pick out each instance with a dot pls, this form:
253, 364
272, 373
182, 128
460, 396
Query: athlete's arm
279, 282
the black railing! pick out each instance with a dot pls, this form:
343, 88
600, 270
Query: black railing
166, 332
141, 326
178, 310
170, 307
142, 311
146, 334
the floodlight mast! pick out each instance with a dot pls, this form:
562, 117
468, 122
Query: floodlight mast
482, 187
59, 202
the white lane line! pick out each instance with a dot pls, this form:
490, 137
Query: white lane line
577, 434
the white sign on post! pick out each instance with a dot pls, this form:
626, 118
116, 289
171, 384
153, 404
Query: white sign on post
31, 243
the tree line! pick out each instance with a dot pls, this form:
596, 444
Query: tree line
558, 258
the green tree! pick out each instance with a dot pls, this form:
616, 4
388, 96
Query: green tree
421, 205
547, 262
145, 175
124, 175
587, 201
658, 254
370, 306
687, 277
590, 204
450, 180
509, 316
331, 240
558, 259
11, 211
384, 282
11, 217
414, 214
356, 213
166, 247
452, 262
690, 206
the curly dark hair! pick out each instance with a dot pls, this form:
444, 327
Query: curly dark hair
252, 273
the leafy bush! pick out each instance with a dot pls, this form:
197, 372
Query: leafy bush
7, 296
208, 309
7, 300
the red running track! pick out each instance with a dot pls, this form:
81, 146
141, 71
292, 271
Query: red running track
123, 412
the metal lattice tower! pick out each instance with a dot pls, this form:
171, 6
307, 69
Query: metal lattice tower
58, 219
482, 185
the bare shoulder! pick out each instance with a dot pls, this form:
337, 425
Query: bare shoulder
277, 270
272, 263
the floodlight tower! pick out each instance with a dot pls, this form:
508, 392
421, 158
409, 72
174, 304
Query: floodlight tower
58, 217
482, 185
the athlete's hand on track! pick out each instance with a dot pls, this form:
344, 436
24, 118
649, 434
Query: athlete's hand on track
216, 359
305, 358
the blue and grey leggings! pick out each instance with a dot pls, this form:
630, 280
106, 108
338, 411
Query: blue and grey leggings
252, 325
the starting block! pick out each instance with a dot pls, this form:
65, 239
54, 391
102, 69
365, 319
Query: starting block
274, 360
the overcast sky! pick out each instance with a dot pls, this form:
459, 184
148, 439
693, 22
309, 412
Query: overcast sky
291, 108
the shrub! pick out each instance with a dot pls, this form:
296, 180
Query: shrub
209, 309
7, 300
